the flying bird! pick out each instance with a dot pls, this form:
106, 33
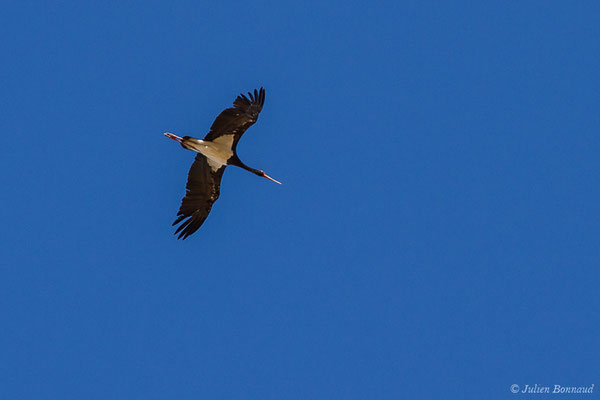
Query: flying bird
215, 152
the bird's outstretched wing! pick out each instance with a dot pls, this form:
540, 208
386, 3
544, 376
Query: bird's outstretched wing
202, 190
235, 120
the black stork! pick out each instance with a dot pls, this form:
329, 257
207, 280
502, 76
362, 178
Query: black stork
215, 152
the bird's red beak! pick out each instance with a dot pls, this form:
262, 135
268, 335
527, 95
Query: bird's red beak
268, 177
174, 137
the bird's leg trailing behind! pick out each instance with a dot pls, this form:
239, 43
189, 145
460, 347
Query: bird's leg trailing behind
174, 137
190, 143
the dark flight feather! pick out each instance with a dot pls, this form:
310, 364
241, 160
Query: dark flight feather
202, 190
237, 119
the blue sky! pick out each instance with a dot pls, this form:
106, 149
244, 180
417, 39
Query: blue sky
436, 235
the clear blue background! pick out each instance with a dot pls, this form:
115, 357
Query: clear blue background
436, 235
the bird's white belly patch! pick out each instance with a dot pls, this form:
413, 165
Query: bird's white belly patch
217, 151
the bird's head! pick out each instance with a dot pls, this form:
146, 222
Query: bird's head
262, 173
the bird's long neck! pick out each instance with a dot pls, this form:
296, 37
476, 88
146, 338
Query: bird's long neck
234, 160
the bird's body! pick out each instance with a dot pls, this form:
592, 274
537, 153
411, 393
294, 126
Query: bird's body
215, 152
